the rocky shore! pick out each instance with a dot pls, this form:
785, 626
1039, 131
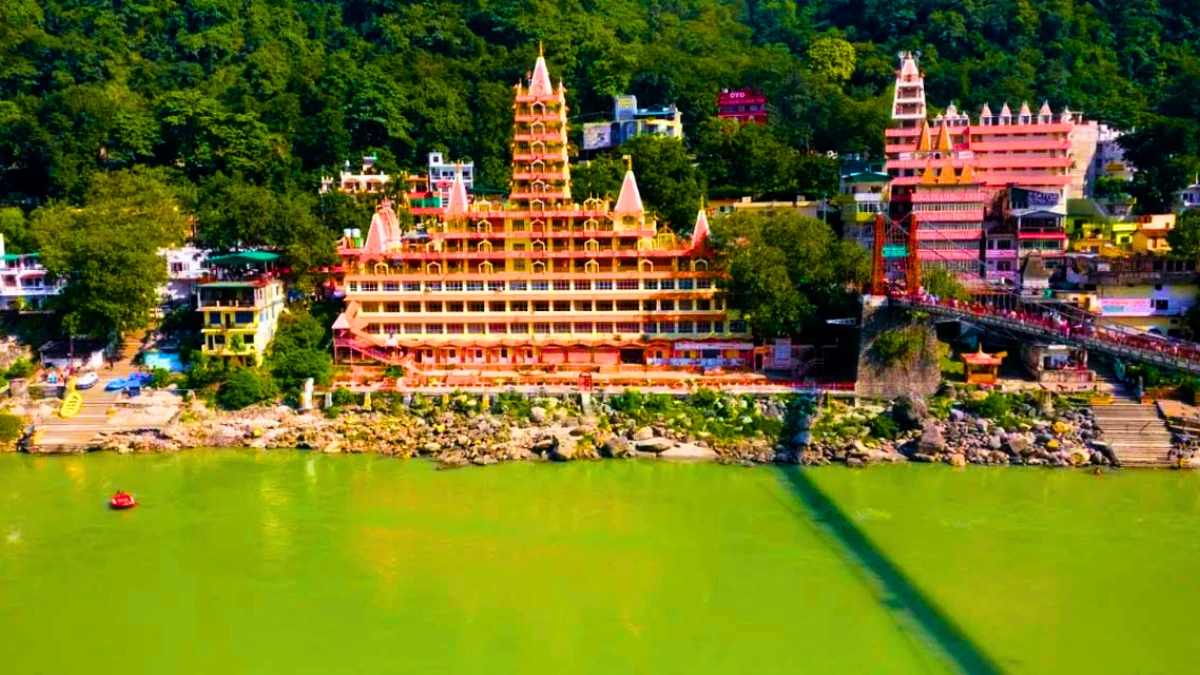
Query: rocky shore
552, 430
468, 430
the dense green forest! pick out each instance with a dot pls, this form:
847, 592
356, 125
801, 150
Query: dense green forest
241, 105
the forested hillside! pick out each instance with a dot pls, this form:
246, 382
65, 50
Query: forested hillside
243, 104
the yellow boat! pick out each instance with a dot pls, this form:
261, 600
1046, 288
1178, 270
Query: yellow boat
71, 406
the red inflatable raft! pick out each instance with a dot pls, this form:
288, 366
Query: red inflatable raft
122, 500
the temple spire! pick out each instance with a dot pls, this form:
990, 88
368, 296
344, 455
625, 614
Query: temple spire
539, 82
457, 206
700, 231
630, 199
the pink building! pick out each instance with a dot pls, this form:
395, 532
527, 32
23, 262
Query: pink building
1021, 167
743, 105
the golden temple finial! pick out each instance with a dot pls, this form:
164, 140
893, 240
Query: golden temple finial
541, 51
628, 162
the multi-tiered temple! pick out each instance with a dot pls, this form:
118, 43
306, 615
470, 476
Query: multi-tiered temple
1012, 172
539, 285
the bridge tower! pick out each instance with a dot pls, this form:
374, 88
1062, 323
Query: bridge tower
895, 254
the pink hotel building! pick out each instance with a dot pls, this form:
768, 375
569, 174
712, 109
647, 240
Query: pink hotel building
989, 191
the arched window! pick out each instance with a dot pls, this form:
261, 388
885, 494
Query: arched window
433, 268
486, 267
381, 268
483, 226
538, 246
537, 128
591, 267
591, 224
539, 108
700, 265
646, 266
537, 205
485, 246
591, 246
538, 225
539, 267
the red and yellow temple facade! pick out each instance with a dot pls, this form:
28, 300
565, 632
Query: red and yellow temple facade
537, 286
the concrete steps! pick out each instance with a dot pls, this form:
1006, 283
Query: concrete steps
1137, 433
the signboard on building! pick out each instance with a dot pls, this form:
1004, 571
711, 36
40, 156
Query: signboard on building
625, 107
783, 353
895, 250
597, 135
1126, 306
1041, 199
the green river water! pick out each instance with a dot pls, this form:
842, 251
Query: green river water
245, 562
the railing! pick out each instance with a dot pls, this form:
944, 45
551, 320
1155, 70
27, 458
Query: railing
208, 303
1064, 324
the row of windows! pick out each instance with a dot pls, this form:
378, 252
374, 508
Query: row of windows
540, 285
561, 328
522, 306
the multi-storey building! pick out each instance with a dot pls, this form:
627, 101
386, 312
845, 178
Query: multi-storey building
1144, 291
441, 173
240, 303
24, 285
864, 194
630, 121
944, 199
1042, 157
743, 105
539, 282
369, 180
186, 266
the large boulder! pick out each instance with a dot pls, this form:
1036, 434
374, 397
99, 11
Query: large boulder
1017, 445
909, 411
643, 434
655, 445
688, 451
616, 447
537, 415
563, 450
932, 441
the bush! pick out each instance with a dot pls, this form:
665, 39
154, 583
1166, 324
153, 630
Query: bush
993, 406
512, 404
245, 387
896, 346
394, 372
19, 368
343, 397
160, 378
11, 427
883, 427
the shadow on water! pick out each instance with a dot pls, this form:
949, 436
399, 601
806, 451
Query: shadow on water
898, 591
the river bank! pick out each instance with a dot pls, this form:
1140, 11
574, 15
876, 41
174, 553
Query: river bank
956, 428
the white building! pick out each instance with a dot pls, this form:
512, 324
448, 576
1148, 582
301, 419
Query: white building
1109, 159
369, 179
185, 267
23, 282
441, 175
1189, 197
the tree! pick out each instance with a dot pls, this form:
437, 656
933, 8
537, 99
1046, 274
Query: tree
245, 387
832, 58
1185, 237
107, 250
297, 353
600, 177
666, 179
786, 272
944, 284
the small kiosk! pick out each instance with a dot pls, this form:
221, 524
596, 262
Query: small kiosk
982, 368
